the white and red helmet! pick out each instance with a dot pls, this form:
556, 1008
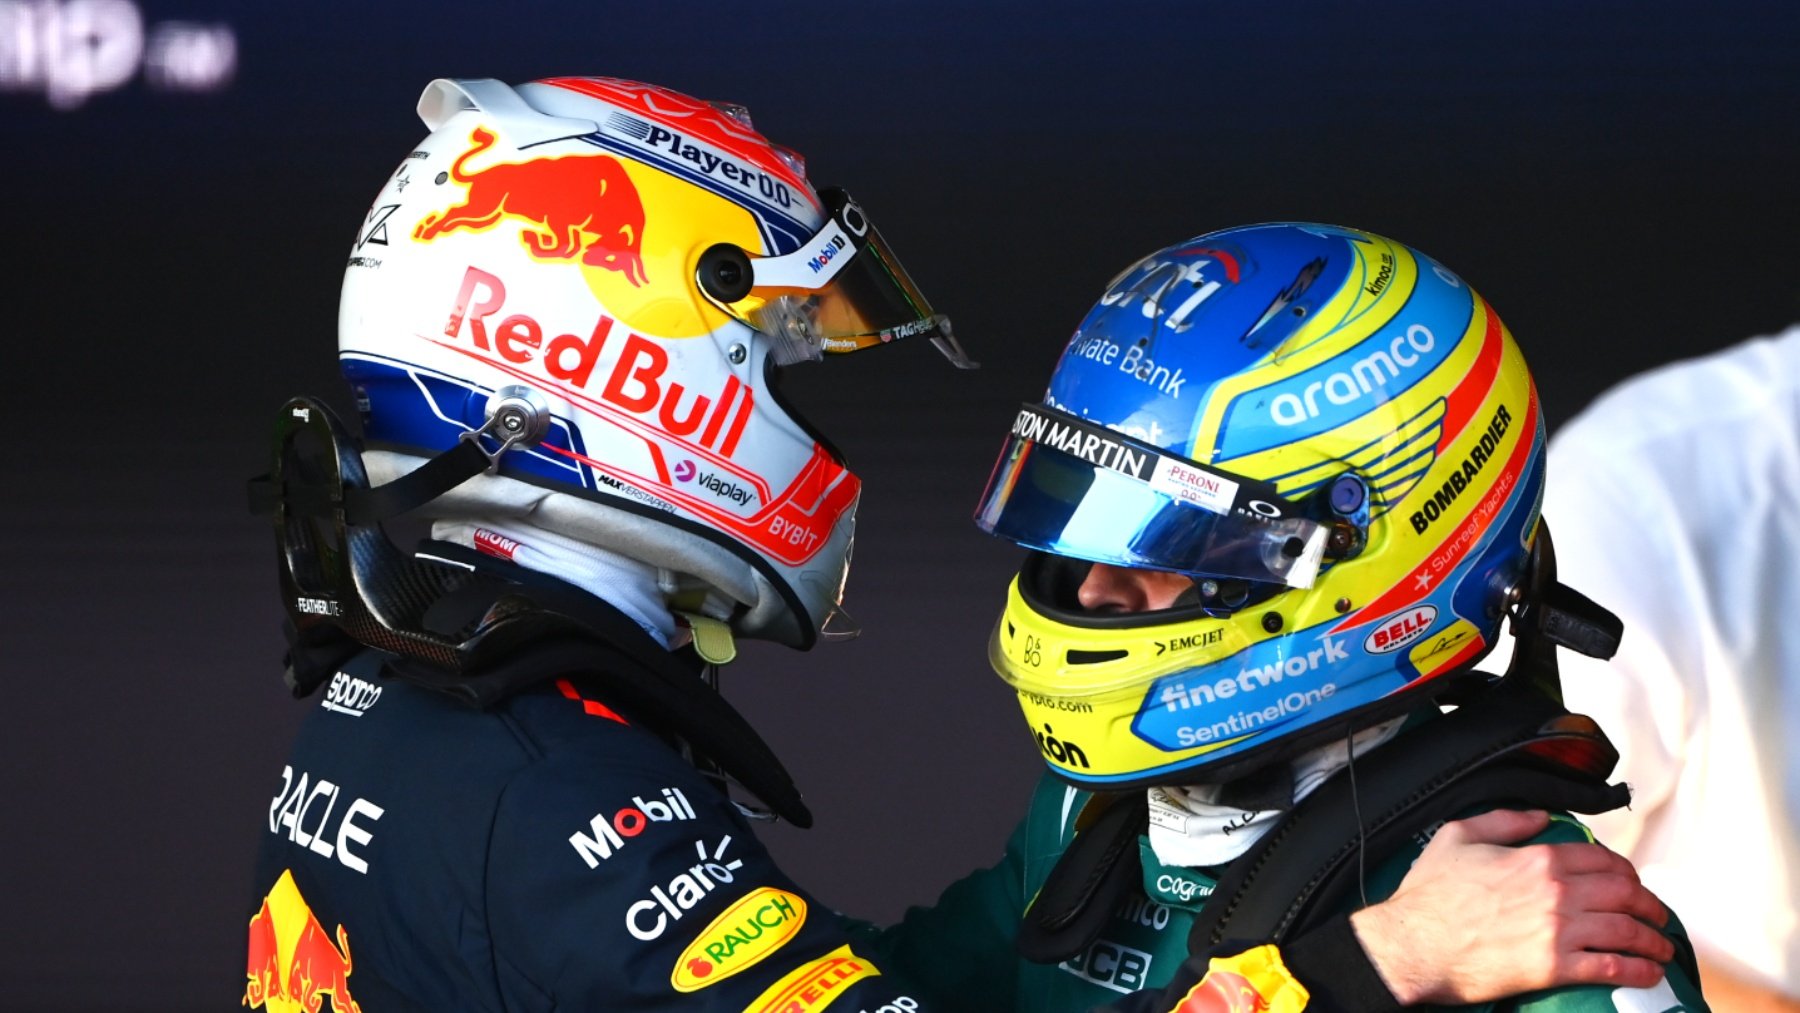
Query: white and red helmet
634, 266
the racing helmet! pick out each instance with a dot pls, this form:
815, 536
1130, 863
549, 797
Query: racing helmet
598, 281
1332, 435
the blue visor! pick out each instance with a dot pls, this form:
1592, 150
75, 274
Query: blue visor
1072, 488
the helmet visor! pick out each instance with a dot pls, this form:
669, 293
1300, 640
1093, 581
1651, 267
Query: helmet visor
1068, 487
842, 291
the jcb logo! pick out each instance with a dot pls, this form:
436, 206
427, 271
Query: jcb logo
1111, 965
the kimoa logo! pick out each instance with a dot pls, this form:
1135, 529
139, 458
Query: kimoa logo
758, 924
1180, 696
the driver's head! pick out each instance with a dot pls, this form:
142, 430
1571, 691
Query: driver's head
1282, 483
639, 267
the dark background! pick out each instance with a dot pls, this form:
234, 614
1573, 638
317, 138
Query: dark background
1617, 177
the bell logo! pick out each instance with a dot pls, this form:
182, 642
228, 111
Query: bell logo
1400, 629
760, 923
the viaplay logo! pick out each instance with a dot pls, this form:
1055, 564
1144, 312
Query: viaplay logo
687, 472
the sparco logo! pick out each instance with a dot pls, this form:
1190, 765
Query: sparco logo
350, 695
1464, 475
610, 830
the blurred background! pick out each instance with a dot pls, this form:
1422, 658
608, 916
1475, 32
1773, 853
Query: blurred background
187, 177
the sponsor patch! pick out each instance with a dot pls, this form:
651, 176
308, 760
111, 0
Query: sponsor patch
1111, 965
758, 924
1400, 629
349, 695
815, 984
608, 832
293, 962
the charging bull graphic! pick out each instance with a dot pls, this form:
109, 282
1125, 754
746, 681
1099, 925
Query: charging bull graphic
585, 206
1224, 992
292, 964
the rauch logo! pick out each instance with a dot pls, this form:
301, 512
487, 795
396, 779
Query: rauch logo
757, 925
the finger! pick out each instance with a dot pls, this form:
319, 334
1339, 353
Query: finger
1616, 969
1615, 933
1607, 892
1499, 826
1579, 857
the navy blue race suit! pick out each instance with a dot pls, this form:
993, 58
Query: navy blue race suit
548, 852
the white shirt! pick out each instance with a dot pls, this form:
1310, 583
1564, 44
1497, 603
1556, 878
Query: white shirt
1674, 501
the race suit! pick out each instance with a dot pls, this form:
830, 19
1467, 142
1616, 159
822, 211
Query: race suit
961, 950
545, 853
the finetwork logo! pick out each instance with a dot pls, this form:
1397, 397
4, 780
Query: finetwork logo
71, 50
1180, 696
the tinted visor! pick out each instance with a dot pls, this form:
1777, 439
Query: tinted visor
842, 291
1071, 488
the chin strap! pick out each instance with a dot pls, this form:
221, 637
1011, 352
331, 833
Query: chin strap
1551, 614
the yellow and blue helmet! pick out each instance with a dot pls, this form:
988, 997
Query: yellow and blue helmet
1332, 434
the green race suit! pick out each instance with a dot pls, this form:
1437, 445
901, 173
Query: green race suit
961, 949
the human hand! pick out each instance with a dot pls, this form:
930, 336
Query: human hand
1478, 919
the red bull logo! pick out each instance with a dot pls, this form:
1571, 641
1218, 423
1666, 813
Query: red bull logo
1223, 992
293, 965
582, 206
